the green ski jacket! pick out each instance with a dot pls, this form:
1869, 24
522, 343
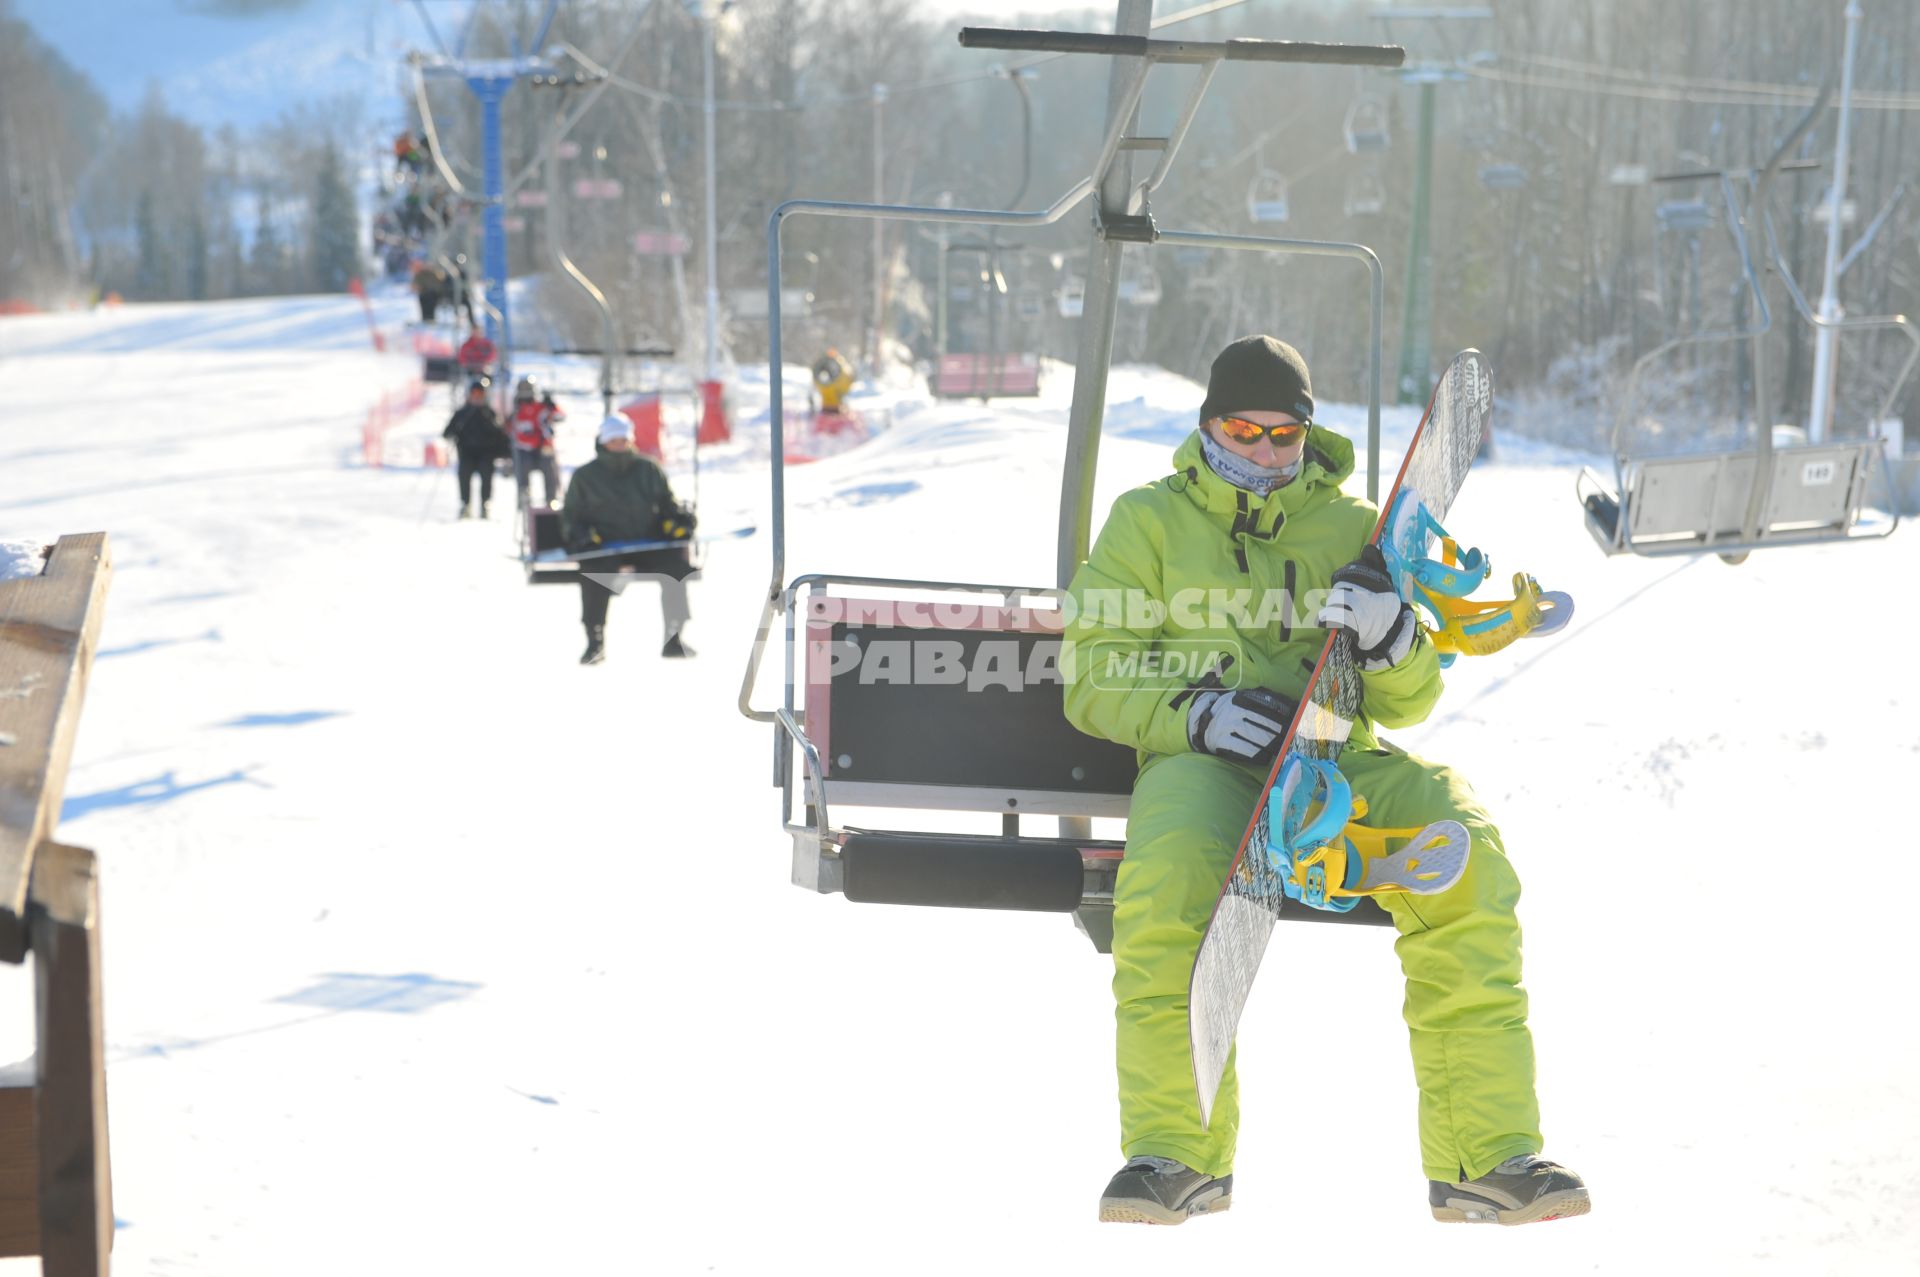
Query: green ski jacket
1190, 571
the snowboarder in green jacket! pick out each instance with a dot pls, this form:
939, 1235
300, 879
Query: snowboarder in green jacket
1244, 557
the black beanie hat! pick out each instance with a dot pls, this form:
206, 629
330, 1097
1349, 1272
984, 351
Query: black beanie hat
1258, 374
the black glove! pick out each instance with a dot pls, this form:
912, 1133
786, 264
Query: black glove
1364, 603
677, 524
1248, 724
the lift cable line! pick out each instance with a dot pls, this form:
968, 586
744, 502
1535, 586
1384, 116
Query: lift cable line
1622, 84
865, 96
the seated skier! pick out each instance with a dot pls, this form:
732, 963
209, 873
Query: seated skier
1254, 505
623, 496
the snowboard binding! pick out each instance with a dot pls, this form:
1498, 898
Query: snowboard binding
1327, 860
1440, 586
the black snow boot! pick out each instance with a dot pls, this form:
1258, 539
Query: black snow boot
1521, 1190
1159, 1190
596, 645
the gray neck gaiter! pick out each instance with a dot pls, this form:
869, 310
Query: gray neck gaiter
1242, 473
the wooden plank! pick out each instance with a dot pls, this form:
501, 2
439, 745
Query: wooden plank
76, 1189
19, 1174
49, 628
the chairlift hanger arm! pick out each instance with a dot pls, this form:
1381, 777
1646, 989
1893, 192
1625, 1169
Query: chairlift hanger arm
1138, 46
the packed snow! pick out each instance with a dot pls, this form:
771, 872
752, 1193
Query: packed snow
428, 950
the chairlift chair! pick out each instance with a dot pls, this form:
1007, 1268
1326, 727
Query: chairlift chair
1683, 215
1028, 305
852, 742
1365, 195
1503, 176
1267, 197
1071, 300
1733, 502
1140, 285
1366, 125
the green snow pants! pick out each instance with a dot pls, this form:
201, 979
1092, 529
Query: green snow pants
1465, 1009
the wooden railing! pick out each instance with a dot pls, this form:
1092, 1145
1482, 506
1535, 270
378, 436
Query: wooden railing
56, 1198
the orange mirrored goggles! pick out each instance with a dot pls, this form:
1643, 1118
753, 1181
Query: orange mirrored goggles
1240, 430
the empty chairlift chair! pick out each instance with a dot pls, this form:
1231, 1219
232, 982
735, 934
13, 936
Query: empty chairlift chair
1776, 492
1267, 198
1365, 196
1366, 125
1503, 176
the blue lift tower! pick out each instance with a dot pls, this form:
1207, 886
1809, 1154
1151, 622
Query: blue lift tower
489, 80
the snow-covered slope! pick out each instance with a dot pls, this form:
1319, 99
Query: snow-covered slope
430, 951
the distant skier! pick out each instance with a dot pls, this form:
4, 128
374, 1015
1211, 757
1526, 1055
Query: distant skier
430, 286
534, 417
623, 496
1254, 507
479, 442
476, 354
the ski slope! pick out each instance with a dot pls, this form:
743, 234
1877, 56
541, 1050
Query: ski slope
430, 951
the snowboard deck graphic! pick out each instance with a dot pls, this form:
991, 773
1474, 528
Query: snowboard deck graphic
1258, 882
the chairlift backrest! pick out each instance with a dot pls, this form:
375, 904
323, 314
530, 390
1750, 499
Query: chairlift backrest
1684, 215
1503, 176
1700, 501
991, 737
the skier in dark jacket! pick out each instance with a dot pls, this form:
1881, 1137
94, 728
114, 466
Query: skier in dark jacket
623, 496
479, 441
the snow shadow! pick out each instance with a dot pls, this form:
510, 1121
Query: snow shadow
298, 718
145, 793
151, 645
874, 493
407, 994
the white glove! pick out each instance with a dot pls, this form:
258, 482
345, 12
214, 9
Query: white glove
1247, 724
1364, 603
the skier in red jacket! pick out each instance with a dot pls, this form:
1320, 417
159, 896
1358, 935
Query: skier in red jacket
477, 354
534, 416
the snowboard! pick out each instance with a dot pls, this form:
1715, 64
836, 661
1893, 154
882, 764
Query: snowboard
1299, 845
636, 547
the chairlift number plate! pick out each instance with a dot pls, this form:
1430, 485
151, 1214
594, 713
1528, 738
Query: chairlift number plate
1815, 473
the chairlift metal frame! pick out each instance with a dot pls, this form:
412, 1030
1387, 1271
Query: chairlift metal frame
958, 869
1698, 503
